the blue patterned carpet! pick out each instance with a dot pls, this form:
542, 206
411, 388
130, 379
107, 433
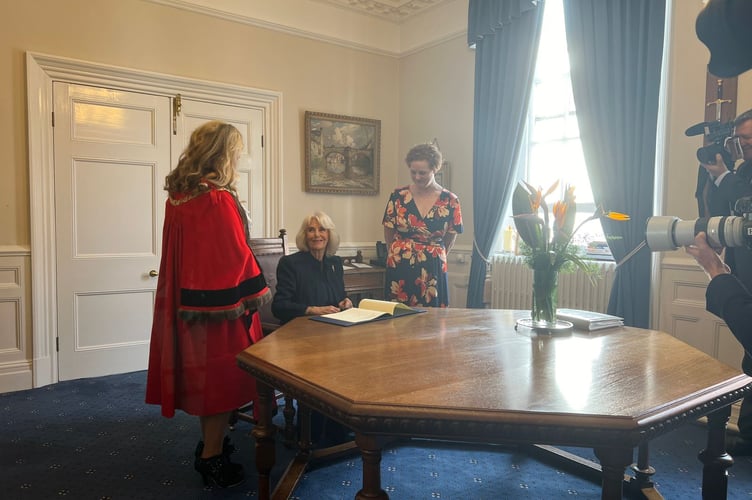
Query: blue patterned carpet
96, 439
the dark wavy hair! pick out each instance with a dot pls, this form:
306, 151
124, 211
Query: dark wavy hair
426, 152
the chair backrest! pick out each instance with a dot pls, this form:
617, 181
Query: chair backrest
268, 251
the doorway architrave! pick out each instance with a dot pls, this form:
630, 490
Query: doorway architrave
41, 71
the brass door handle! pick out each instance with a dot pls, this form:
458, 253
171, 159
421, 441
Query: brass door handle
153, 273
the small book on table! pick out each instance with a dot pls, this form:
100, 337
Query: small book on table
368, 310
588, 320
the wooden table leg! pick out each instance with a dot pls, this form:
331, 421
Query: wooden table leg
304, 437
642, 469
642, 484
289, 414
613, 463
370, 449
263, 432
297, 467
715, 459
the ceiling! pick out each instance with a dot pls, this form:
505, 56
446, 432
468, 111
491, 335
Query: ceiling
394, 28
391, 10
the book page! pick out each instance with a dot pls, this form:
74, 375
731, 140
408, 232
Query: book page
378, 305
355, 315
392, 308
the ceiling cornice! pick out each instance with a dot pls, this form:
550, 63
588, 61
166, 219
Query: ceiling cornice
345, 23
396, 11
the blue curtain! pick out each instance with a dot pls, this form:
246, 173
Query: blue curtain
505, 34
615, 53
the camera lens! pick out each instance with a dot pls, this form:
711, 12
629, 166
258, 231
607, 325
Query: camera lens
669, 232
725, 231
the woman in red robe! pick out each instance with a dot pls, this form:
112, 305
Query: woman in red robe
210, 287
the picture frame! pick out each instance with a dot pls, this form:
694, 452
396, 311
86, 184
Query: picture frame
342, 154
442, 176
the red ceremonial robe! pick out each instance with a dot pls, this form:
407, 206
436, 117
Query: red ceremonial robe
210, 286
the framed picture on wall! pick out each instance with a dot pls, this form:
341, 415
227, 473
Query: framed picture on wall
341, 154
442, 176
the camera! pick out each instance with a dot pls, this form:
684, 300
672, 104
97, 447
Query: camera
669, 232
722, 141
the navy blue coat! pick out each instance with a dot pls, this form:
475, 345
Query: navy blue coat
728, 299
303, 281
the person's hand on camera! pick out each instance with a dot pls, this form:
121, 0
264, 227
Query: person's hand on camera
706, 256
715, 169
346, 304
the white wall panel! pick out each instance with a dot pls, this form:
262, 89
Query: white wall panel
683, 314
15, 320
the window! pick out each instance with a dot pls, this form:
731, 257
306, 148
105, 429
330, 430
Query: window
551, 143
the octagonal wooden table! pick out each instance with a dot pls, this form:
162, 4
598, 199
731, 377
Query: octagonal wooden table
469, 375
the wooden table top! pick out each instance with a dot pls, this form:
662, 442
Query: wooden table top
472, 366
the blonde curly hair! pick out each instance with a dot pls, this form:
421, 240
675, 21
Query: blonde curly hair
211, 155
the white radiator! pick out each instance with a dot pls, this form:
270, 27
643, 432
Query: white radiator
512, 286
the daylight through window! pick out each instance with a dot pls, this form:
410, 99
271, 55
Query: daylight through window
551, 147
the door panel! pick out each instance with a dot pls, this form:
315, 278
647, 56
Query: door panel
129, 209
113, 150
117, 307
112, 153
249, 121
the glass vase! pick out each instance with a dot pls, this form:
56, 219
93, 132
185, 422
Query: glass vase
545, 296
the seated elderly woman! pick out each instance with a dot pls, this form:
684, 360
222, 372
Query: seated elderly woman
311, 281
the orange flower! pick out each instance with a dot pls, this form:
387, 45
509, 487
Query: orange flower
535, 199
563, 220
548, 236
616, 216
560, 212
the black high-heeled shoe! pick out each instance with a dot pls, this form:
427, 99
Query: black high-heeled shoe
227, 448
219, 471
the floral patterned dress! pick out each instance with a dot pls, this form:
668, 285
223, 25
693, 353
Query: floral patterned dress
416, 264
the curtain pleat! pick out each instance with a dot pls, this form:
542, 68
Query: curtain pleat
486, 17
615, 51
506, 35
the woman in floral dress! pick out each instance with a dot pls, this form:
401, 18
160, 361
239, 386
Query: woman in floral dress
421, 223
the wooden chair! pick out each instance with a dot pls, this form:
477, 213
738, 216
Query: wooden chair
268, 251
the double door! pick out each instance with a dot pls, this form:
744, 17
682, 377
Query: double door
112, 151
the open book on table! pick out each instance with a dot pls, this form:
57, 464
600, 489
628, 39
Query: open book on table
588, 320
368, 310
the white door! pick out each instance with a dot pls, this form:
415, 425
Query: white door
249, 121
112, 153
113, 150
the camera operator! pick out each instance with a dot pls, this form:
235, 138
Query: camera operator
726, 186
724, 27
726, 296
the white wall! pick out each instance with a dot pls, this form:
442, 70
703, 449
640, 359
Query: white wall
681, 294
